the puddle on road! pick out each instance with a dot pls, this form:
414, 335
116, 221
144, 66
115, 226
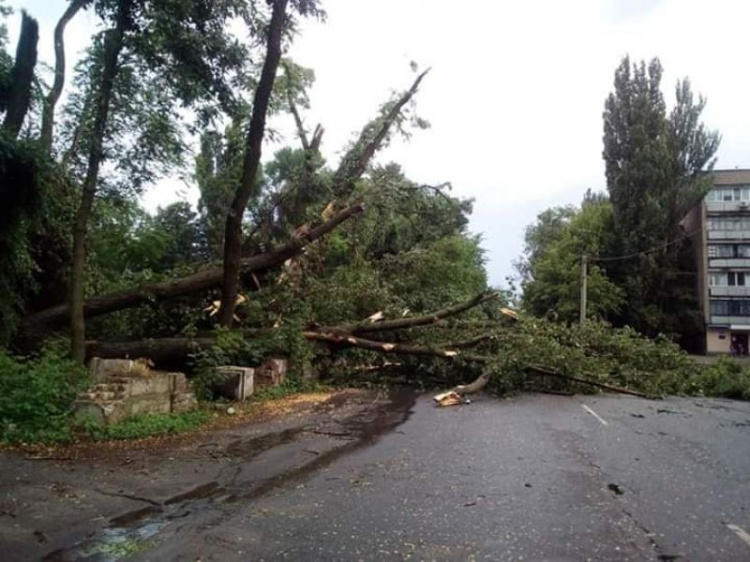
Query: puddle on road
133, 532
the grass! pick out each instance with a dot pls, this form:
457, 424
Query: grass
145, 425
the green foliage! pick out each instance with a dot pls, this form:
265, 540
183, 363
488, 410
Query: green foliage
555, 245
144, 425
726, 378
655, 165
425, 278
36, 394
618, 356
230, 348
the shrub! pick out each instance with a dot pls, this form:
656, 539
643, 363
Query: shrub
36, 395
726, 378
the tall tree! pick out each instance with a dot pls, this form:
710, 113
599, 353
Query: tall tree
113, 45
656, 167
188, 52
251, 163
555, 245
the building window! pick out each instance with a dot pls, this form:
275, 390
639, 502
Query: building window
720, 308
729, 250
717, 279
737, 307
728, 223
736, 278
729, 194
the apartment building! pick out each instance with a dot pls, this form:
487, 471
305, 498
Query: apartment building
720, 229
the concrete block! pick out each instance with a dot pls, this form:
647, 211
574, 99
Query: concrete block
155, 383
239, 383
102, 369
183, 401
271, 373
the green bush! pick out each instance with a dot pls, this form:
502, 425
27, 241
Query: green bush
726, 378
36, 395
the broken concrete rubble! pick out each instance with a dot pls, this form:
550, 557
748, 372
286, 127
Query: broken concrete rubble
122, 391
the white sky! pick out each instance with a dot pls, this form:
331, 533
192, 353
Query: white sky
515, 95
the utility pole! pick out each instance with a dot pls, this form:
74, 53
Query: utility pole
584, 275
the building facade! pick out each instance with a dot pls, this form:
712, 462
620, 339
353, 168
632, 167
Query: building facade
720, 229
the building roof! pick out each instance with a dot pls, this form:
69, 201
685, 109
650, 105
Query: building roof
731, 177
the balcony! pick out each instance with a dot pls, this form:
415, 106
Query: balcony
736, 263
721, 291
731, 321
729, 234
727, 206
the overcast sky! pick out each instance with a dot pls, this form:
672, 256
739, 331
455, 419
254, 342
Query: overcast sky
515, 95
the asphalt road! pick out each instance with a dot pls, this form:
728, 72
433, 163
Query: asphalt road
538, 478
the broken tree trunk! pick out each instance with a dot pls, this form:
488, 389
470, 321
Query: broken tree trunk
41, 322
168, 349
158, 350
474, 387
543, 371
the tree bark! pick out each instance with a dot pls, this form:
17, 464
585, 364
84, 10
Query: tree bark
48, 115
474, 387
113, 42
256, 131
40, 323
347, 340
158, 350
18, 99
403, 323
174, 348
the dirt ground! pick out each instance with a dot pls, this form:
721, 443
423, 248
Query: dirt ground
55, 501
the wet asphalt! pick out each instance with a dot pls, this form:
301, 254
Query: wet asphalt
537, 477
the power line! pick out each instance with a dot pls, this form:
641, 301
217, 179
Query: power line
644, 252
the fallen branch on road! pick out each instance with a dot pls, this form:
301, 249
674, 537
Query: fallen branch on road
538, 370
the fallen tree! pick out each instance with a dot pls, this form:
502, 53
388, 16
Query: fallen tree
351, 168
42, 322
175, 348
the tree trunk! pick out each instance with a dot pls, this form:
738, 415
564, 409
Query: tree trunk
40, 323
162, 350
18, 98
48, 115
256, 131
113, 41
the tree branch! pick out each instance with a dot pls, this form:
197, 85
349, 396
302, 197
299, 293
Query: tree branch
355, 161
544, 371
48, 115
427, 319
40, 322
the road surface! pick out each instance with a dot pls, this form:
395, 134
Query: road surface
536, 477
